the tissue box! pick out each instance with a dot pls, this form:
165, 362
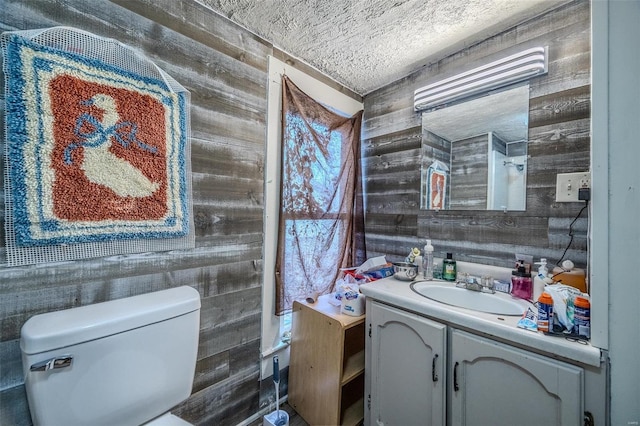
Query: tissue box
352, 304
371, 264
383, 272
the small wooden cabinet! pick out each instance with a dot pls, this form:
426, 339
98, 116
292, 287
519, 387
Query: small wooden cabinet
326, 367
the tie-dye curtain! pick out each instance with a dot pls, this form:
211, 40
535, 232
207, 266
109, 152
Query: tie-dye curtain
321, 215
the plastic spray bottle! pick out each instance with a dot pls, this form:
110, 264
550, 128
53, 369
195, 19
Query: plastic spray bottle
427, 261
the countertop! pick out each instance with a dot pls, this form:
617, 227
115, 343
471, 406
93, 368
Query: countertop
500, 327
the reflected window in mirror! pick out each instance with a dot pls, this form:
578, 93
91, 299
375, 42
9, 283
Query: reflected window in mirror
474, 153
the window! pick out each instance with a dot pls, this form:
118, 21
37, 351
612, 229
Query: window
313, 215
273, 326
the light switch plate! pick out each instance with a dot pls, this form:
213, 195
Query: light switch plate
567, 185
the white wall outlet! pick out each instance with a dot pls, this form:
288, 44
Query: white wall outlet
568, 184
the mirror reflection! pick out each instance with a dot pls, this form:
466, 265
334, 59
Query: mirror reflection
474, 153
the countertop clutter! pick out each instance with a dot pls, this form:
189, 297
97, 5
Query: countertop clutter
500, 327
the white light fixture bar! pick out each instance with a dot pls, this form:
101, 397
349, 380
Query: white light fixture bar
518, 67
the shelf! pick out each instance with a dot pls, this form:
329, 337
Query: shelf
326, 367
352, 402
354, 414
353, 366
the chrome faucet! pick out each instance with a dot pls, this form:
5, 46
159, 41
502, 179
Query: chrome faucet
484, 284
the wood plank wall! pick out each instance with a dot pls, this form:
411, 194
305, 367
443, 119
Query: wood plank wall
225, 69
559, 142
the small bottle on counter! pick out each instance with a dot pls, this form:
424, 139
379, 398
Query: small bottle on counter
521, 284
427, 258
582, 317
545, 312
539, 281
449, 269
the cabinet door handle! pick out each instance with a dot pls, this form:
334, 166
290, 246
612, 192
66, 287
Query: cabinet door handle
455, 377
588, 419
434, 376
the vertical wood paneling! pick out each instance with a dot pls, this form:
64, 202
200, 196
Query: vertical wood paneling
225, 69
559, 142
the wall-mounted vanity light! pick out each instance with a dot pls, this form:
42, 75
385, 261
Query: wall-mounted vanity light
518, 67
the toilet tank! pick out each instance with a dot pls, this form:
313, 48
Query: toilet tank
122, 362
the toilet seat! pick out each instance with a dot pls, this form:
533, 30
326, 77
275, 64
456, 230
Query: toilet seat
168, 419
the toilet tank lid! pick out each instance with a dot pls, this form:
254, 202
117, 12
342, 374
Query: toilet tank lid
55, 330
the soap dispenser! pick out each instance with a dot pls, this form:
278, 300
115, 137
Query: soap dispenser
521, 284
540, 280
427, 259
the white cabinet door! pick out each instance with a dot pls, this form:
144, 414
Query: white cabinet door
407, 371
495, 384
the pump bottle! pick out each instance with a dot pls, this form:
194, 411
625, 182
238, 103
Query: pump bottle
539, 281
521, 283
427, 259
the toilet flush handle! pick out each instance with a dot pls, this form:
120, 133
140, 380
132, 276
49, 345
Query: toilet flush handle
53, 363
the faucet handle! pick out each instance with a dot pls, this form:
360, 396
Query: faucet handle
487, 283
462, 279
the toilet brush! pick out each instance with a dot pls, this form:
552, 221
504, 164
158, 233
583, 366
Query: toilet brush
280, 421
277, 417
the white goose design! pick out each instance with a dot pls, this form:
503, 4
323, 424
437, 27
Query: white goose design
103, 168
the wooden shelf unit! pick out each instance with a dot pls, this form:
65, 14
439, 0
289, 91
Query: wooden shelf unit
326, 367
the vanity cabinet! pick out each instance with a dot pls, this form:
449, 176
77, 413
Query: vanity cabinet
326, 366
407, 370
422, 372
496, 384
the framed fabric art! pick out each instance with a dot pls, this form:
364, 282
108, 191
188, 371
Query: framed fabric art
97, 152
434, 187
437, 189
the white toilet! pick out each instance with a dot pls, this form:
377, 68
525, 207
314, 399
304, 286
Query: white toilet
123, 362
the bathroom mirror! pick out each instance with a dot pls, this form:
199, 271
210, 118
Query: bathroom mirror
474, 153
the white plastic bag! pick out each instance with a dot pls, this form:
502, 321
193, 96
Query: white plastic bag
563, 296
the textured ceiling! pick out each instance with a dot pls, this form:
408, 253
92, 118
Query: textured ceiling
367, 44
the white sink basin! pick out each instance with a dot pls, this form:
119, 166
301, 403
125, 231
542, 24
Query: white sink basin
498, 303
